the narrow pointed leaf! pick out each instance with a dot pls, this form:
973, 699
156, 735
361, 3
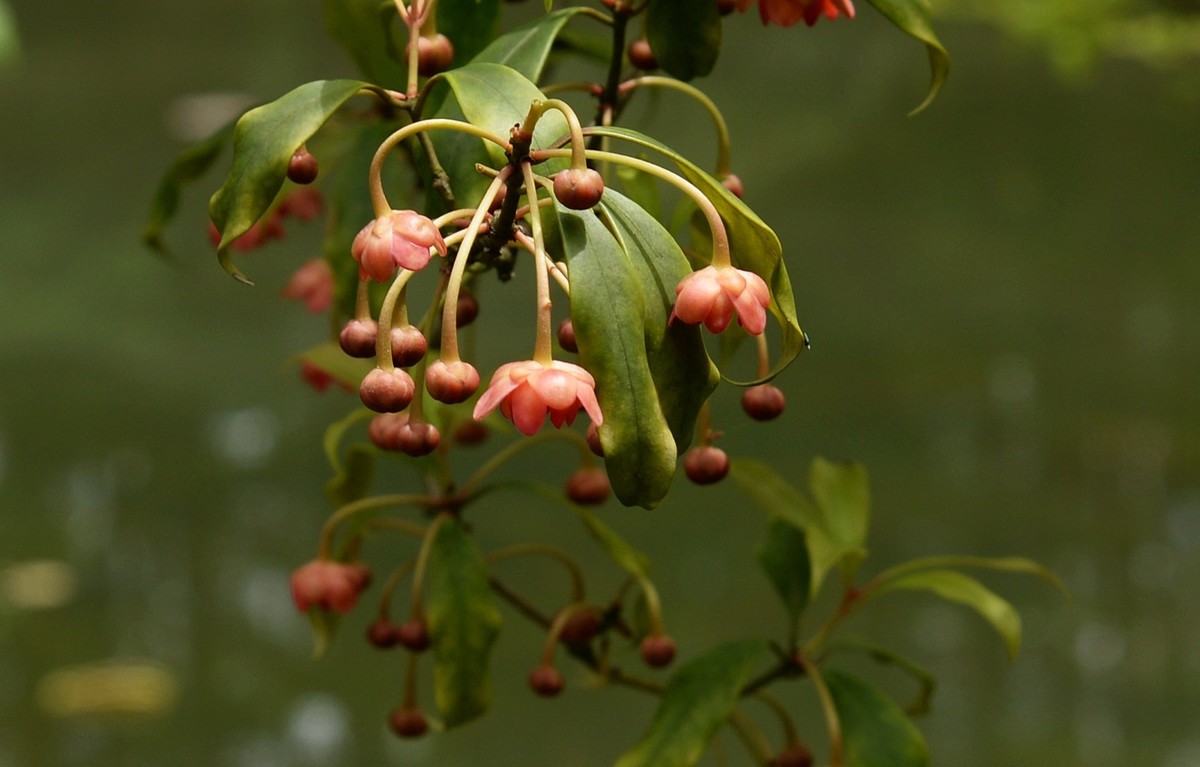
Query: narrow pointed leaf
264, 140
1019, 565
526, 49
683, 374
190, 165
685, 36
698, 699
915, 18
463, 624
754, 246
608, 313
841, 491
956, 587
366, 29
875, 731
775, 495
783, 556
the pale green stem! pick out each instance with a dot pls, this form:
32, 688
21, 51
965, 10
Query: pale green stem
418, 579
383, 339
764, 358
751, 736
358, 507
556, 627
362, 300
578, 85
410, 680
720, 257
542, 351
653, 605
379, 200
554, 269
833, 723
704, 101
470, 487
538, 108
450, 306
537, 549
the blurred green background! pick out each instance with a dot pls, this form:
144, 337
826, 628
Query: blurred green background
1003, 299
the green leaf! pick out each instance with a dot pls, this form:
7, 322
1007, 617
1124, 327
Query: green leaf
608, 313
683, 374
263, 142
875, 731
685, 36
353, 476
619, 550
470, 25
915, 18
956, 587
841, 491
463, 623
699, 697
775, 495
783, 556
329, 357
752, 244
1019, 565
364, 29
190, 165
526, 48
10, 44
927, 684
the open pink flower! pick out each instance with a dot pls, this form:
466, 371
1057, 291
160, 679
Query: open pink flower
328, 585
403, 238
785, 13
527, 391
313, 284
712, 295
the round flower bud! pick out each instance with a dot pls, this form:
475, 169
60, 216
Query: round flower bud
386, 391
578, 188
588, 486
417, 439
408, 722
763, 402
796, 755
466, 310
593, 441
384, 430
658, 650
408, 346
641, 56
302, 168
414, 635
726, 7
706, 465
357, 338
581, 627
566, 337
734, 185
434, 55
382, 634
547, 681
451, 382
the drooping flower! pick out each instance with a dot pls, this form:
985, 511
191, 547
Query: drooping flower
712, 295
785, 13
403, 238
328, 585
526, 392
313, 284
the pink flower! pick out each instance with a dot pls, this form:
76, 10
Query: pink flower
526, 391
312, 284
328, 585
401, 239
785, 13
711, 296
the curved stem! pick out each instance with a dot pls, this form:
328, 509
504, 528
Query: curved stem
555, 270
360, 506
449, 351
751, 736
362, 300
383, 339
556, 627
542, 351
418, 579
537, 549
378, 198
539, 108
781, 713
653, 605
700, 97
764, 357
389, 587
470, 487
720, 257
833, 723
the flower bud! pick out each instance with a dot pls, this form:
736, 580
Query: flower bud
547, 681
588, 486
581, 627
451, 382
413, 634
466, 310
578, 188
796, 755
386, 391
408, 346
408, 722
384, 430
382, 634
434, 55
417, 439
470, 432
763, 402
658, 650
302, 168
357, 338
641, 55
706, 465
566, 336
734, 185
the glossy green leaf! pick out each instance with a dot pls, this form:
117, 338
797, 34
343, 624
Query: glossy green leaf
925, 680
607, 311
775, 495
618, 549
841, 491
685, 36
753, 245
464, 622
640, 188
526, 48
263, 142
915, 18
353, 477
347, 371
683, 375
783, 556
699, 697
1019, 565
875, 731
367, 30
956, 587
10, 45
190, 165
470, 25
